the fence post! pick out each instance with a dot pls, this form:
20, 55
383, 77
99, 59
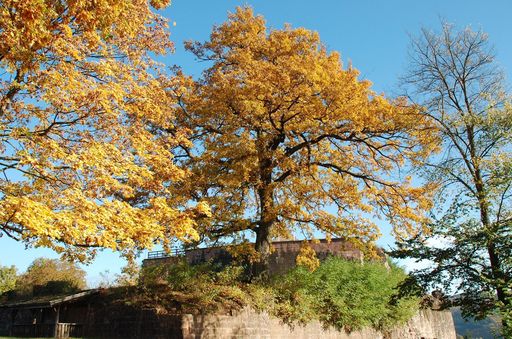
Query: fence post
56, 330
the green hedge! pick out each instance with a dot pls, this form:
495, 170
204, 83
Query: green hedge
345, 294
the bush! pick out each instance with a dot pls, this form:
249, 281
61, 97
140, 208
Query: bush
55, 287
202, 287
345, 294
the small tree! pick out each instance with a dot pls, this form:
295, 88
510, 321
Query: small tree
52, 275
8, 277
454, 75
282, 131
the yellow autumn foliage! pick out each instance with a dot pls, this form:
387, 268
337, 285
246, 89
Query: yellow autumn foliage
288, 140
307, 258
80, 101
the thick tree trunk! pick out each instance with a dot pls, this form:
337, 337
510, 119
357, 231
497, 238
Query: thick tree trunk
266, 219
267, 213
264, 231
263, 247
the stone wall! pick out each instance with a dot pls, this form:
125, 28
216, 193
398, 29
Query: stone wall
427, 324
282, 258
111, 320
285, 252
247, 323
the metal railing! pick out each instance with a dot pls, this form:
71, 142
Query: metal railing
174, 252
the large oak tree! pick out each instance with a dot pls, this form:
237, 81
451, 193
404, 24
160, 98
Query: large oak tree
287, 140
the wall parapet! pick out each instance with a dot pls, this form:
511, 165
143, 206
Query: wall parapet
281, 260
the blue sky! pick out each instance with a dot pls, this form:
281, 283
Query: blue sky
372, 34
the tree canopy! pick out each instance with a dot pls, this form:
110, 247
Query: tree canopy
54, 275
455, 76
79, 93
8, 277
282, 131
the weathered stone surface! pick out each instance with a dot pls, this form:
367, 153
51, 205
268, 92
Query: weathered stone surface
282, 258
111, 320
427, 324
247, 323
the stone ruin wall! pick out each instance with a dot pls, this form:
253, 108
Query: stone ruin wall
248, 324
282, 259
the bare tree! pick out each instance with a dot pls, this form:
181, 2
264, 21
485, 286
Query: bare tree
455, 77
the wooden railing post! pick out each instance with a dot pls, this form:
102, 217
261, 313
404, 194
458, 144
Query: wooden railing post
56, 330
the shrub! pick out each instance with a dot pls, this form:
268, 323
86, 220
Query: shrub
345, 294
202, 287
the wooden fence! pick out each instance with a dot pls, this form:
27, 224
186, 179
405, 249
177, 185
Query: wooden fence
66, 330
61, 330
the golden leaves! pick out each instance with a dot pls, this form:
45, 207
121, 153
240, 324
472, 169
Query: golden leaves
90, 125
289, 134
307, 257
86, 127
159, 4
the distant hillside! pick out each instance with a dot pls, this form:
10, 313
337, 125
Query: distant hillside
483, 329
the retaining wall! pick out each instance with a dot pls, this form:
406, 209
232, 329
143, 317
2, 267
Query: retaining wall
247, 323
